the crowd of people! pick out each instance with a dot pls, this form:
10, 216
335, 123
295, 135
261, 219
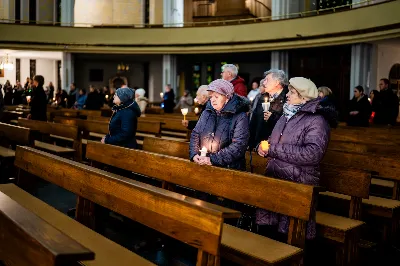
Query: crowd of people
286, 121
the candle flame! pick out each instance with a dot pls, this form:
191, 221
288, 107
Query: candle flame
266, 99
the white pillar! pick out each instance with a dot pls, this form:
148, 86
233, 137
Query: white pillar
155, 80
361, 66
169, 72
173, 13
280, 60
67, 71
67, 12
7, 10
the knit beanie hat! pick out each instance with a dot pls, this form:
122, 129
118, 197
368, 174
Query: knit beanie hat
304, 87
125, 94
223, 87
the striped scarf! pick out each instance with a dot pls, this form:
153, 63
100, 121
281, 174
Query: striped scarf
290, 110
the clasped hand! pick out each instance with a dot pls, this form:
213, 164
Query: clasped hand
202, 160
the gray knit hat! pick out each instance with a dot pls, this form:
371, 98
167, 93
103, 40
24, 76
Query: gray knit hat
125, 94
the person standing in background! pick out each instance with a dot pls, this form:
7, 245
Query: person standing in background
202, 97
230, 73
38, 102
169, 99
359, 109
186, 101
389, 109
255, 90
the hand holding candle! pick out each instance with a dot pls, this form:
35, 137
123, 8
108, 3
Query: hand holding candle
266, 104
184, 112
203, 152
263, 148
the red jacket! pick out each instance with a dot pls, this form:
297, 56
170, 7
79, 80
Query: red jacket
239, 86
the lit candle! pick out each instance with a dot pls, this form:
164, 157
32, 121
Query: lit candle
203, 152
161, 94
184, 112
266, 106
264, 145
54, 99
195, 100
28, 98
251, 99
369, 99
196, 110
107, 97
266, 99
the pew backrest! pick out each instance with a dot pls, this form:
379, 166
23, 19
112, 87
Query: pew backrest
26, 239
20, 135
168, 147
360, 147
189, 220
61, 130
292, 199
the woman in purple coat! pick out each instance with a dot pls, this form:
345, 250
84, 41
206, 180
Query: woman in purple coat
297, 146
222, 129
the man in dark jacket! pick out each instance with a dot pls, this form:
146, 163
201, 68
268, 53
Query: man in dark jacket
73, 95
169, 99
38, 101
230, 73
202, 97
389, 105
274, 90
123, 123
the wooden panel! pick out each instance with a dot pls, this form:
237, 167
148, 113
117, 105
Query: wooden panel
107, 252
98, 118
28, 240
167, 147
90, 112
152, 127
344, 180
51, 128
387, 167
280, 196
192, 221
21, 135
359, 147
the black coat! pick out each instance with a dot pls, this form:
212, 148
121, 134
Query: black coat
259, 128
123, 125
94, 101
169, 101
364, 112
38, 104
388, 109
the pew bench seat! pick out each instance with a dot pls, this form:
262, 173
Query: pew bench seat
375, 205
6, 153
106, 252
62, 138
247, 248
53, 148
336, 227
14, 122
382, 183
174, 133
143, 135
96, 135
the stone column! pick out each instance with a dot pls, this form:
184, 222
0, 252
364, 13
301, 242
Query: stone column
25, 11
173, 13
67, 71
170, 72
280, 60
361, 67
67, 12
7, 10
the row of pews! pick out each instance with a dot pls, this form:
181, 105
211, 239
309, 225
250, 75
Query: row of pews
357, 160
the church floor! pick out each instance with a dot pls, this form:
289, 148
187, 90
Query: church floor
164, 251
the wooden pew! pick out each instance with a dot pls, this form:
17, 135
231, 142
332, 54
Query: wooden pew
171, 127
26, 239
10, 136
167, 147
49, 129
10, 116
361, 147
107, 252
99, 129
294, 200
192, 221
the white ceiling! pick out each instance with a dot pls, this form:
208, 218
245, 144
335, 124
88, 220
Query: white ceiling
31, 54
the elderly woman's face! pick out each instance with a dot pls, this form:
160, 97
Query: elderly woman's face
218, 101
293, 96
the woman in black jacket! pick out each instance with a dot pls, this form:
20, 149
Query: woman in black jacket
360, 109
38, 100
123, 123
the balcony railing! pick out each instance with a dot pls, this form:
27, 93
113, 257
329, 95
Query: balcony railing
209, 23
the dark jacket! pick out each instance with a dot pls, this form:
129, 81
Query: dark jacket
123, 125
259, 128
94, 101
297, 147
169, 101
364, 112
192, 123
38, 104
225, 134
1, 104
240, 86
72, 97
388, 111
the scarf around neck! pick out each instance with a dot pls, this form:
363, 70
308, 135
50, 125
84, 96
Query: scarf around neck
290, 110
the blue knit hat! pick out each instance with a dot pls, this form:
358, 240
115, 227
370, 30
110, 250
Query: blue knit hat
125, 94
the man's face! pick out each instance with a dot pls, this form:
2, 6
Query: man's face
382, 85
226, 75
270, 83
72, 87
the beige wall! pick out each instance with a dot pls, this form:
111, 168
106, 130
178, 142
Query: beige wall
156, 12
108, 12
230, 7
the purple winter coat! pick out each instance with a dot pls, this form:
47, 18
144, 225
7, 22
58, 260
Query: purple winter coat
225, 134
297, 146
